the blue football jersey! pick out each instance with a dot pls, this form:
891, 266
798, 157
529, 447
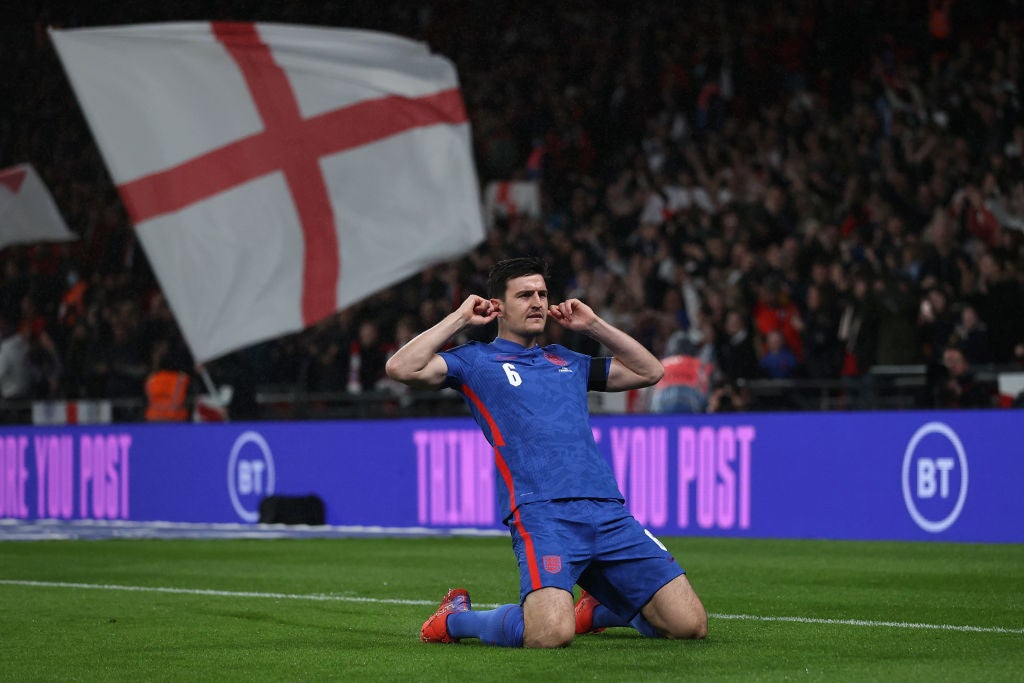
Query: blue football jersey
531, 404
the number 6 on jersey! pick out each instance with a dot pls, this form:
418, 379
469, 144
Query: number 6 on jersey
513, 377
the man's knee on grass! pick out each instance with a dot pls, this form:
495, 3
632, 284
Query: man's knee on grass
691, 625
549, 618
676, 612
549, 635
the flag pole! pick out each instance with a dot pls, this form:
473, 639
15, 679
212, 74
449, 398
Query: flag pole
207, 380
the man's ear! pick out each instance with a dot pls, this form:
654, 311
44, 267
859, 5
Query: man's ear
499, 305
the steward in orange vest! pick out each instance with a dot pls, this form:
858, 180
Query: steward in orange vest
166, 393
685, 386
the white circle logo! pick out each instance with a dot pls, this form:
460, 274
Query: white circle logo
250, 475
932, 477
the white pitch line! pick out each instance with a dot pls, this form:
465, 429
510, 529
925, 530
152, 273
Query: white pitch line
867, 622
323, 597
318, 597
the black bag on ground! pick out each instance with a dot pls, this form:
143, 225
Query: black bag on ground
292, 510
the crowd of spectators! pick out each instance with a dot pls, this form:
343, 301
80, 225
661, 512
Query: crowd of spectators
790, 189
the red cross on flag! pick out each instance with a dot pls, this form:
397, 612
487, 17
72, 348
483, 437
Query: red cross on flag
28, 213
509, 198
276, 173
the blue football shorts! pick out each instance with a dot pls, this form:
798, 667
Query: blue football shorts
595, 543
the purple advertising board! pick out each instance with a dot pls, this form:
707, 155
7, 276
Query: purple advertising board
951, 476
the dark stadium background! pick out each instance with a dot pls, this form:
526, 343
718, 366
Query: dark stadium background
863, 165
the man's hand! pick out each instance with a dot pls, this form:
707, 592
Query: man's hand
476, 310
418, 364
573, 314
632, 366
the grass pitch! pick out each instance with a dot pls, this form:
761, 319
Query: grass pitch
351, 609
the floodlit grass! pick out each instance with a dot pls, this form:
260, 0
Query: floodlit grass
313, 610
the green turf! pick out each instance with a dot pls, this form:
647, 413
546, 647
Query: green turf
92, 634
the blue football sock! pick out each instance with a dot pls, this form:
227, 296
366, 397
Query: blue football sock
502, 626
604, 618
644, 626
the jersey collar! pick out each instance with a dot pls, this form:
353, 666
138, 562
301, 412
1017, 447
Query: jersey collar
511, 346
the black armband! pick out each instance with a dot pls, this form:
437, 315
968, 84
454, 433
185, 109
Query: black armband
598, 374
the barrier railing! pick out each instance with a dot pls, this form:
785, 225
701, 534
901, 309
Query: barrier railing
899, 387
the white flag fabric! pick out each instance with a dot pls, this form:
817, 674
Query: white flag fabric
28, 213
508, 198
277, 173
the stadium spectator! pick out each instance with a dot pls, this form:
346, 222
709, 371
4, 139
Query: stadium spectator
368, 353
166, 394
956, 386
15, 369
822, 351
687, 382
858, 327
123, 360
736, 353
778, 361
328, 353
1000, 299
936, 322
775, 312
897, 305
971, 336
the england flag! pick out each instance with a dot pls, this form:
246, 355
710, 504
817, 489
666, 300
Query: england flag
276, 173
28, 213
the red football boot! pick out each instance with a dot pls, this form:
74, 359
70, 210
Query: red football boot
435, 629
585, 614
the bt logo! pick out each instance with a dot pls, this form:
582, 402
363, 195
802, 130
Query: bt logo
250, 474
935, 477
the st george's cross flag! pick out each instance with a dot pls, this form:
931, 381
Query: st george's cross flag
28, 213
277, 173
510, 198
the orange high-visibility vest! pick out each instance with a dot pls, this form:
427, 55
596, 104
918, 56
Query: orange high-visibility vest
166, 391
686, 371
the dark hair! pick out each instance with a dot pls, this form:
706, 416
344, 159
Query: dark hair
509, 269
